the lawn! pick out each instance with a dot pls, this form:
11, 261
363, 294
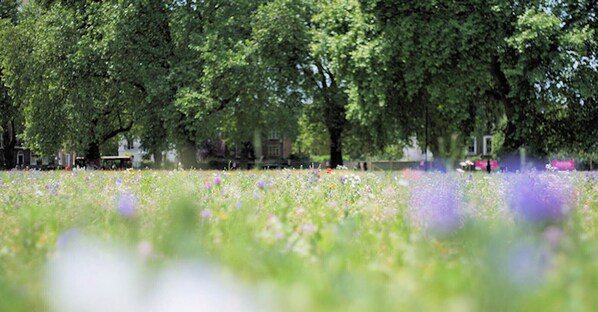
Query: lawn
298, 240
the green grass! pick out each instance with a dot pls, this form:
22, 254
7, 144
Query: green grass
311, 242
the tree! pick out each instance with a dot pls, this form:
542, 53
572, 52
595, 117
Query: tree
285, 35
145, 56
455, 66
86, 72
551, 77
11, 118
222, 88
414, 69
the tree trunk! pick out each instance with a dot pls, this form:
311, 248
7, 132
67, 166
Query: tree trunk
92, 156
336, 147
512, 141
258, 148
10, 142
157, 160
189, 155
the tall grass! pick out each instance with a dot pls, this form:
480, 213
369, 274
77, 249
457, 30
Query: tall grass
304, 240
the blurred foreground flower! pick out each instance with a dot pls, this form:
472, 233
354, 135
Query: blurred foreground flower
217, 180
127, 205
66, 237
261, 184
205, 214
539, 198
434, 205
524, 264
91, 277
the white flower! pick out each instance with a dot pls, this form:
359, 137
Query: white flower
91, 277
88, 277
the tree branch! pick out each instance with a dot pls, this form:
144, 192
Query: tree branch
114, 133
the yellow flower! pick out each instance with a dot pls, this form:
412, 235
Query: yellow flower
222, 216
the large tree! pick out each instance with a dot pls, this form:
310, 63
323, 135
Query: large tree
222, 88
546, 75
87, 71
434, 69
415, 69
11, 117
285, 36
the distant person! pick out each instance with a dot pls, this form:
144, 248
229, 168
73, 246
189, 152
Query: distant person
365, 166
488, 166
357, 166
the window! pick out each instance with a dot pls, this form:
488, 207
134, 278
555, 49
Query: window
472, 146
273, 150
130, 144
273, 135
20, 158
487, 145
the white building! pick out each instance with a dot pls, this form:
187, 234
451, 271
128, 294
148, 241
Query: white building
415, 153
133, 148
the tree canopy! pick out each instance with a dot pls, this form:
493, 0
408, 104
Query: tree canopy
364, 74
472, 64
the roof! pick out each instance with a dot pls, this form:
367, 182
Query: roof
117, 157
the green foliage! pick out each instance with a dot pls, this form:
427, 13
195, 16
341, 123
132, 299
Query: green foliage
312, 139
223, 87
11, 118
83, 74
9, 9
373, 73
465, 65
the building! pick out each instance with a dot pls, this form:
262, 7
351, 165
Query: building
132, 147
479, 146
275, 148
25, 158
22, 156
415, 153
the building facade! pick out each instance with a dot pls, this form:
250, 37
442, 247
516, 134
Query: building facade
25, 158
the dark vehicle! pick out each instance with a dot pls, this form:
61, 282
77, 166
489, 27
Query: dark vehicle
116, 162
80, 162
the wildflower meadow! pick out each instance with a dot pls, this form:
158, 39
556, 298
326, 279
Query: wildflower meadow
298, 240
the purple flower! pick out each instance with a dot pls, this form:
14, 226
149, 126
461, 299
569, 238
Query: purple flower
119, 181
66, 237
127, 205
526, 264
205, 214
208, 185
145, 249
553, 236
434, 205
216, 180
261, 184
308, 228
535, 198
343, 179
